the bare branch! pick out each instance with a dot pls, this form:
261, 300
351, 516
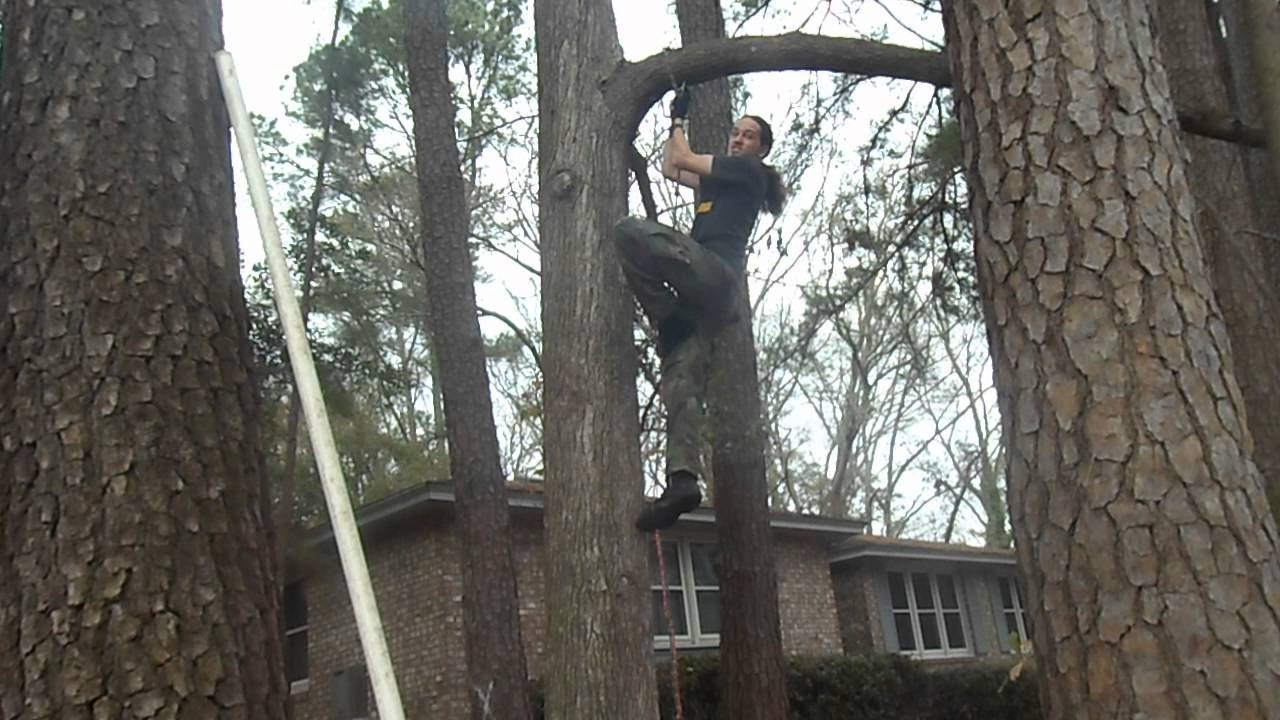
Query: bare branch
516, 330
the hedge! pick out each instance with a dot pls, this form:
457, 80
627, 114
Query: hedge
864, 687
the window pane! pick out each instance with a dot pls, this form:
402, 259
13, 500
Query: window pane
1011, 624
672, 560
906, 638
704, 568
1006, 600
930, 638
897, 591
924, 595
947, 593
660, 627
709, 611
1026, 621
955, 630
295, 661
295, 606
1017, 593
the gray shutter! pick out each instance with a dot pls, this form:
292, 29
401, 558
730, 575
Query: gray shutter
351, 693
880, 580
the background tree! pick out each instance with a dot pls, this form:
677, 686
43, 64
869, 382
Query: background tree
371, 332
490, 608
1231, 218
751, 638
1140, 518
140, 579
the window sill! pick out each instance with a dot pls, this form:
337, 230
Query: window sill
298, 687
664, 644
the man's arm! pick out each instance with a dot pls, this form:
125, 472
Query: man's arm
679, 162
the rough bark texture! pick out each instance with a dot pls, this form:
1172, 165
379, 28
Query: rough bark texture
599, 639
751, 640
1139, 516
138, 572
496, 671
1243, 261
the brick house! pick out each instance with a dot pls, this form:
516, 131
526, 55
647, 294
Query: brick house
838, 589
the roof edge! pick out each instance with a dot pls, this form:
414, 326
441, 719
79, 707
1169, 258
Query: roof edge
969, 555
522, 496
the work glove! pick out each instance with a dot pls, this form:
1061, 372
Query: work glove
680, 103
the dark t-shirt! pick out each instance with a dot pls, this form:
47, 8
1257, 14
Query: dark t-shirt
728, 201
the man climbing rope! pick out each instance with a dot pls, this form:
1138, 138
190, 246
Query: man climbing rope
687, 286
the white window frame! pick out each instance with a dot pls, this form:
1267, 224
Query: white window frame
1019, 611
938, 611
695, 637
303, 683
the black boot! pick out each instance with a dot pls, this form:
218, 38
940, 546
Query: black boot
681, 496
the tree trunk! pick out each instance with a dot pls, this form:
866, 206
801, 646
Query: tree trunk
1265, 222
1139, 515
287, 512
1241, 260
599, 639
139, 577
496, 669
751, 640
1263, 24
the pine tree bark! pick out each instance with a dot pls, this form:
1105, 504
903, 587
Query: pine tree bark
496, 669
751, 639
599, 639
1138, 512
139, 577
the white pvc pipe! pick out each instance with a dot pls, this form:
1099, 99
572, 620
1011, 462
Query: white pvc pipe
345, 532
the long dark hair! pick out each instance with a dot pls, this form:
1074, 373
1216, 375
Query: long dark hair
775, 194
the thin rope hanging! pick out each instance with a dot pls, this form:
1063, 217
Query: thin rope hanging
677, 689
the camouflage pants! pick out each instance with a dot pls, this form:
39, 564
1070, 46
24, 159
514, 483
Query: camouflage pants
679, 283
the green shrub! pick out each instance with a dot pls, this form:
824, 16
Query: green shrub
865, 687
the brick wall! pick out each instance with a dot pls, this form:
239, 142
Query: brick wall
418, 584
806, 603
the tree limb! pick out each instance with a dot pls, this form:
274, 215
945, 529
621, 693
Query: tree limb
634, 87
516, 330
640, 167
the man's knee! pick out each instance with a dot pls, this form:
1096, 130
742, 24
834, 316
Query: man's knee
629, 228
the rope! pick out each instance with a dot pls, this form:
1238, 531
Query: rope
677, 691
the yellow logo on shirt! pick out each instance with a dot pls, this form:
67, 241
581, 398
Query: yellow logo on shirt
704, 207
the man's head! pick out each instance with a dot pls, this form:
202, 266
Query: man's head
751, 135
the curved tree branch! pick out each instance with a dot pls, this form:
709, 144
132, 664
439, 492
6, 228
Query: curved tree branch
516, 330
634, 87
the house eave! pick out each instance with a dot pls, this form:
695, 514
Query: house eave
904, 553
404, 504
